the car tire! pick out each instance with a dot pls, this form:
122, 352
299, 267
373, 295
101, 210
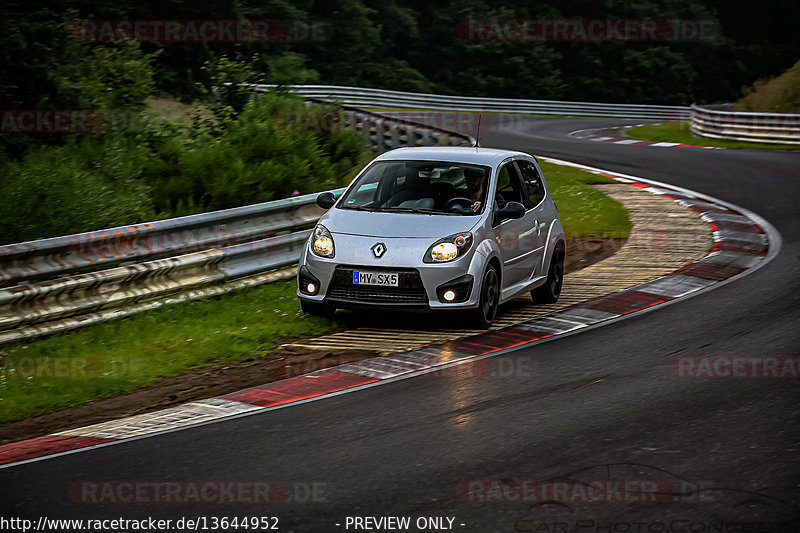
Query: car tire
317, 309
551, 290
486, 312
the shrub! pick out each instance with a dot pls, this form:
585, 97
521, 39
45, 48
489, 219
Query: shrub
781, 94
97, 181
78, 187
256, 159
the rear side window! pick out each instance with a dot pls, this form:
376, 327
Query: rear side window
509, 185
533, 182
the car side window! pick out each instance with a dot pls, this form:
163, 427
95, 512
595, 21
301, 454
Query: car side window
509, 185
533, 182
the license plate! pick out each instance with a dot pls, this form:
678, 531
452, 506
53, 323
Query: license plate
386, 279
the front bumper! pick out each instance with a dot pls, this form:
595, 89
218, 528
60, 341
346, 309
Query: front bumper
421, 285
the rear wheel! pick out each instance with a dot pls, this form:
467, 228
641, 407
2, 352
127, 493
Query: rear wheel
315, 309
551, 290
484, 315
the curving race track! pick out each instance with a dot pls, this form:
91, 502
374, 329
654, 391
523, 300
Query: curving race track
597, 405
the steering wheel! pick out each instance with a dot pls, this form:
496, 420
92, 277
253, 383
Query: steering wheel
459, 201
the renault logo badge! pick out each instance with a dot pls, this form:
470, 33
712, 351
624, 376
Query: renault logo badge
378, 250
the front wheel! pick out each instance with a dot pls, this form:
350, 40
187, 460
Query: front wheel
484, 315
551, 290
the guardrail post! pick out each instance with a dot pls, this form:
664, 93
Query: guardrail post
366, 128
411, 134
426, 137
379, 139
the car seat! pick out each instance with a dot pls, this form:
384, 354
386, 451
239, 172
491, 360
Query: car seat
414, 189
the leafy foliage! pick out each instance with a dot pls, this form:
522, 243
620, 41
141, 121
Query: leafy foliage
100, 181
106, 78
227, 85
81, 185
236, 152
255, 160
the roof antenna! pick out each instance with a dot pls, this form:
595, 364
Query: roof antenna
478, 134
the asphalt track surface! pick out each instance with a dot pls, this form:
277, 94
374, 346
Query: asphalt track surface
597, 405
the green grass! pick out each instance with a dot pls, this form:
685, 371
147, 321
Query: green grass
172, 110
780, 95
134, 352
583, 209
678, 132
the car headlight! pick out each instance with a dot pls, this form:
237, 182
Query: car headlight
322, 244
449, 248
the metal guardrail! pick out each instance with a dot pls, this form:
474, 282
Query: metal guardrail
708, 121
94, 250
380, 98
720, 122
385, 132
77, 279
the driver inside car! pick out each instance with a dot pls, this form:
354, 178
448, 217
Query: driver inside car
476, 185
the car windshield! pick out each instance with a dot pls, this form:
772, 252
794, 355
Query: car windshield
427, 187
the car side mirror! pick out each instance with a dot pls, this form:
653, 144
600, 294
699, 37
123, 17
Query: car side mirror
326, 200
512, 210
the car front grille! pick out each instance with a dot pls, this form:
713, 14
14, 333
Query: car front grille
410, 292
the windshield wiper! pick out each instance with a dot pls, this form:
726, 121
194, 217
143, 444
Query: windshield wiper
360, 208
421, 210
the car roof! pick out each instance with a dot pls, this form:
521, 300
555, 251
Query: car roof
461, 154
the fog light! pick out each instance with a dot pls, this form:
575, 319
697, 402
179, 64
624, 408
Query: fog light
307, 283
456, 290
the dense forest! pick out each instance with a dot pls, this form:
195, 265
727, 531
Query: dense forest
132, 166
414, 45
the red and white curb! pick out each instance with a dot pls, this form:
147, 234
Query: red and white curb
652, 143
743, 242
592, 135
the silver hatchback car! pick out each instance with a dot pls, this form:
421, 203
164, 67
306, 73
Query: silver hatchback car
439, 229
